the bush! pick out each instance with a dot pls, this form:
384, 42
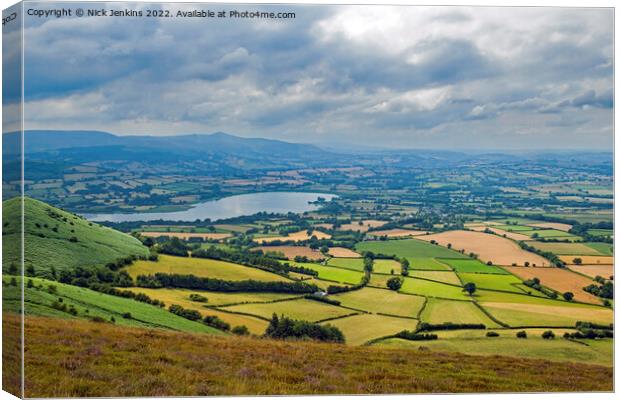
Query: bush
410, 335
198, 298
215, 322
548, 335
447, 326
568, 296
127, 315
192, 315
522, 335
492, 334
394, 283
240, 330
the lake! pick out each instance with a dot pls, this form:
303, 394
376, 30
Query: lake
227, 207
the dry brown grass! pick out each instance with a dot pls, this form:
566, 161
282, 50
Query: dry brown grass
291, 252
187, 235
296, 236
553, 225
343, 252
366, 224
594, 260
604, 271
68, 358
498, 250
509, 235
558, 279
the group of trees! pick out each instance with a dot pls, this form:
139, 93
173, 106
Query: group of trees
161, 280
604, 289
87, 277
283, 327
534, 283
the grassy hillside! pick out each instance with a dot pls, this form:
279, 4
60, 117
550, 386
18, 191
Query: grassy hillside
39, 300
158, 363
56, 238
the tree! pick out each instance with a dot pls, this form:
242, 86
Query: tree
470, 288
522, 335
568, 296
395, 283
577, 261
548, 335
527, 264
12, 269
404, 267
324, 249
30, 270
240, 330
30, 284
368, 264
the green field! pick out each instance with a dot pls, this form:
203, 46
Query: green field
381, 301
356, 264
470, 265
441, 276
515, 228
459, 312
181, 297
492, 281
600, 232
605, 249
566, 248
309, 310
334, 273
48, 233
89, 303
200, 267
517, 315
432, 289
421, 255
594, 352
359, 329
386, 266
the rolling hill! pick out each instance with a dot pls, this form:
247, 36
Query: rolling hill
144, 362
59, 239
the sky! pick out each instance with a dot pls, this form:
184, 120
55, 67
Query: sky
396, 77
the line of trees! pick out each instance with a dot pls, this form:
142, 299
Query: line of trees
161, 280
554, 259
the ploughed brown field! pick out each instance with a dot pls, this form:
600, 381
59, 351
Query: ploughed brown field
558, 279
291, 252
593, 271
498, 250
69, 358
392, 233
187, 235
509, 235
343, 252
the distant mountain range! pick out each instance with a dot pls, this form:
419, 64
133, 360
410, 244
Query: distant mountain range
228, 151
38, 141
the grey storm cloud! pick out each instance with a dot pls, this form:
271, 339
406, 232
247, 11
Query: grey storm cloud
384, 76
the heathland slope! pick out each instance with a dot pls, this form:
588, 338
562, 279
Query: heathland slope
59, 239
160, 363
